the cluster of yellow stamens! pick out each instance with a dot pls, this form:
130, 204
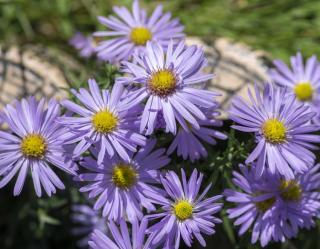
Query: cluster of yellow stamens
290, 190
34, 146
265, 205
162, 83
274, 131
104, 121
124, 176
183, 210
304, 91
140, 35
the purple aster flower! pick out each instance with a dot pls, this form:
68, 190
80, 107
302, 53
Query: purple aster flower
36, 142
303, 81
167, 80
105, 120
124, 187
87, 220
129, 33
84, 44
187, 142
121, 238
274, 207
185, 213
282, 128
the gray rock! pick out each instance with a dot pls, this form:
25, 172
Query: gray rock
236, 68
40, 71
33, 70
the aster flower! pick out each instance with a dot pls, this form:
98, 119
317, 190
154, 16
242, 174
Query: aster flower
302, 80
86, 220
167, 80
187, 142
276, 208
105, 120
186, 214
129, 33
84, 44
282, 129
124, 187
121, 237
33, 142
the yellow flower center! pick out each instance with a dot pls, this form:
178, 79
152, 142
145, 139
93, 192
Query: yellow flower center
274, 131
304, 91
162, 83
183, 210
263, 206
33, 145
124, 176
140, 35
290, 190
104, 121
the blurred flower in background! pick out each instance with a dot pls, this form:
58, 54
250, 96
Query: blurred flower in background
302, 80
86, 220
130, 32
84, 44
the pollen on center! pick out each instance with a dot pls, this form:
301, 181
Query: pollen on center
265, 205
304, 91
140, 35
274, 131
104, 121
162, 83
33, 145
124, 176
290, 190
183, 210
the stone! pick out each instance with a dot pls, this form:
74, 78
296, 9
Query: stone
236, 68
40, 71
34, 70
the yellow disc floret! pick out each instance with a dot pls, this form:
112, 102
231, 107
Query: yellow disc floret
290, 190
304, 91
124, 176
34, 146
265, 205
104, 121
183, 210
162, 83
140, 35
274, 131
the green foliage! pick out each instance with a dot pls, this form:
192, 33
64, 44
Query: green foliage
281, 27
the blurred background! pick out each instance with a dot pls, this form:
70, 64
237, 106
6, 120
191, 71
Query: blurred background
278, 27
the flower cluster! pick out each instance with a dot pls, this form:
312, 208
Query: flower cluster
273, 206
160, 90
186, 215
108, 140
278, 186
